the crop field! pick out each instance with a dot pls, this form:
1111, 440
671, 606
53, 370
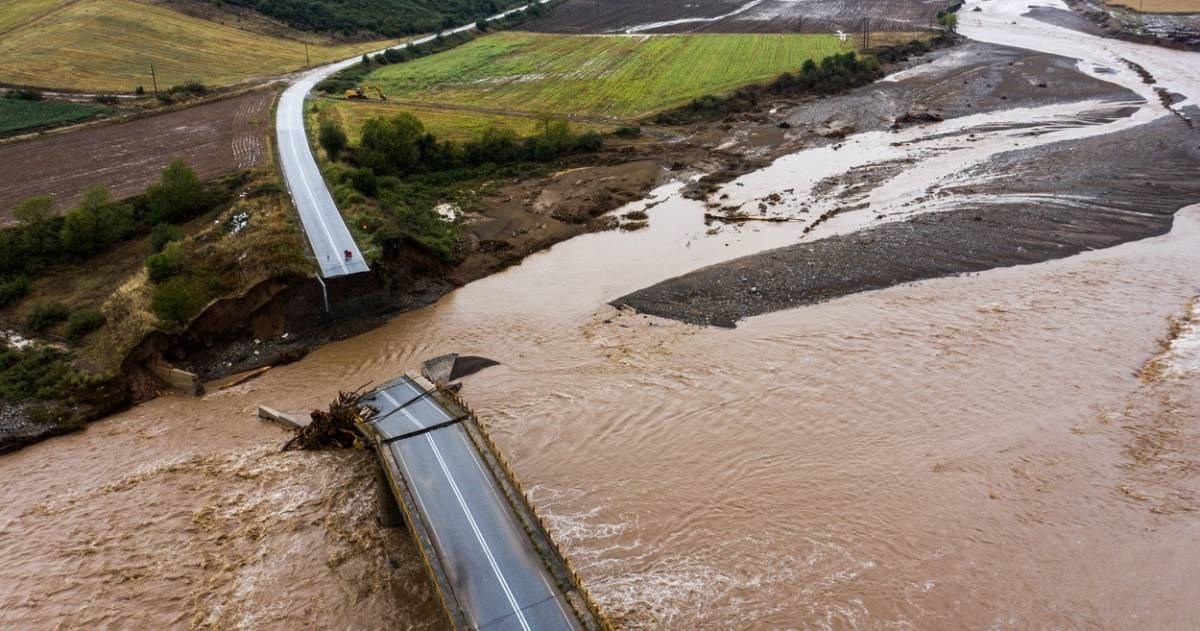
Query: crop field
743, 16
109, 45
214, 138
16, 114
616, 78
1159, 6
445, 122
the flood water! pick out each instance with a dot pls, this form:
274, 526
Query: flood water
1011, 449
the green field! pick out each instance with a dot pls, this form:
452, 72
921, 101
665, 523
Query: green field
610, 76
109, 45
16, 115
445, 123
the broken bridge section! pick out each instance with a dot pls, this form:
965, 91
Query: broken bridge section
491, 559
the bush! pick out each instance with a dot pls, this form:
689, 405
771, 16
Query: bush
165, 264
481, 25
44, 316
178, 300
162, 234
364, 181
389, 146
83, 322
332, 138
178, 195
13, 289
588, 142
628, 132
24, 95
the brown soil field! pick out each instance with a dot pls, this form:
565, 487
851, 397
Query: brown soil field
215, 139
1159, 6
740, 16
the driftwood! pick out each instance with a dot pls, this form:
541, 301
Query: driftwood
334, 428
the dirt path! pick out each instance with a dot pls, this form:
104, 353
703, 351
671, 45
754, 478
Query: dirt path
215, 139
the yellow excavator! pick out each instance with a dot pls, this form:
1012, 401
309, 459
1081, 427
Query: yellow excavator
360, 93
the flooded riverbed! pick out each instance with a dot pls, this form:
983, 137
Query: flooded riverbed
988, 451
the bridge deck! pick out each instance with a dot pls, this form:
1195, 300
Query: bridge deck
474, 543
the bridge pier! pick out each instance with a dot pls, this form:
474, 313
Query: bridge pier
387, 509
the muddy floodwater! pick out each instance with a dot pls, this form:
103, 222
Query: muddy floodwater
1014, 448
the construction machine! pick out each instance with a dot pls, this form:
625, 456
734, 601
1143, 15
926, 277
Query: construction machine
360, 93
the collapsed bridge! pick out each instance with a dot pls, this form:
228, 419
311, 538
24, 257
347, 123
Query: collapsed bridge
491, 559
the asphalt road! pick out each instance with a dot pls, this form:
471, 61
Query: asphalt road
499, 579
323, 224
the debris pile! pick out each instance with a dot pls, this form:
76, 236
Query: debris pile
334, 428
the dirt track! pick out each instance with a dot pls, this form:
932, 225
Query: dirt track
739, 16
215, 139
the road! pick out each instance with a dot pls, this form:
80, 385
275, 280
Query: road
498, 578
322, 222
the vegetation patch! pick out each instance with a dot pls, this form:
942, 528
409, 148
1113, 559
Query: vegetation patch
390, 18
109, 46
618, 77
19, 114
391, 176
833, 74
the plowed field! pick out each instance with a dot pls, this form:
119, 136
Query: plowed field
214, 139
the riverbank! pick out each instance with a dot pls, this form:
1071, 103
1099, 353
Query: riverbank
283, 319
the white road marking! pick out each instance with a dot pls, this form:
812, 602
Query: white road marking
496, 495
487, 551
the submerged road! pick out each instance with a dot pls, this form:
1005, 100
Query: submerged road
498, 578
332, 244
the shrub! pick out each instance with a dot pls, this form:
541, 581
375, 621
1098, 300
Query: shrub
332, 138
165, 264
83, 322
589, 142
13, 289
178, 300
24, 95
364, 181
162, 234
628, 132
948, 21
44, 316
481, 25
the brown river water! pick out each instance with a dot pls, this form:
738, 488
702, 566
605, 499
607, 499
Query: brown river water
1011, 449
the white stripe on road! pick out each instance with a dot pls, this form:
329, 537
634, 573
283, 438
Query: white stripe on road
571, 622
311, 197
487, 551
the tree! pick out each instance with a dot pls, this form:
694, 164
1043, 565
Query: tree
39, 234
390, 146
179, 194
95, 224
332, 138
35, 210
481, 25
178, 300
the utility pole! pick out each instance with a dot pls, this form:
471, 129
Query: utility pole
866, 33
154, 80
307, 61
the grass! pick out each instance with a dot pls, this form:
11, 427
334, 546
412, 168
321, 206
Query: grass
445, 123
16, 114
109, 45
1160, 6
615, 77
